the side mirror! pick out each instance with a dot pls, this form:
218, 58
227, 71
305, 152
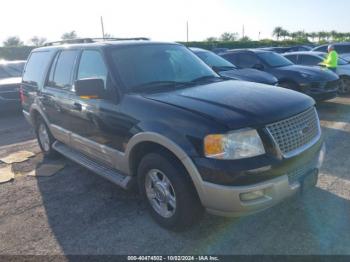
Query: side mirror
259, 66
90, 88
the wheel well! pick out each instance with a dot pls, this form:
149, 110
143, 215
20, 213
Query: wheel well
144, 148
34, 116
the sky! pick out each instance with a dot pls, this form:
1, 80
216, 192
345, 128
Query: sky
165, 20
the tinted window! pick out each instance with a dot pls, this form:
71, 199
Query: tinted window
92, 66
292, 58
310, 60
274, 59
248, 60
11, 70
233, 58
342, 49
35, 68
212, 60
62, 73
321, 49
140, 65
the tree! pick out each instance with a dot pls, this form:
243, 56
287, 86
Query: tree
245, 39
277, 32
226, 37
38, 41
211, 39
13, 41
69, 35
284, 34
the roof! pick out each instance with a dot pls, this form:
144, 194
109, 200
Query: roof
306, 53
247, 50
126, 42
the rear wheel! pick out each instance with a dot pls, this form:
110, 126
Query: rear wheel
45, 138
168, 191
344, 87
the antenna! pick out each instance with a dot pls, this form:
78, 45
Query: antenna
102, 27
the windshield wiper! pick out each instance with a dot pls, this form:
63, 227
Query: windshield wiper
157, 84
223, 68
205, 78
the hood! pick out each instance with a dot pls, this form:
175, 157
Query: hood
237, 104
10, 81
251, 75
314, 74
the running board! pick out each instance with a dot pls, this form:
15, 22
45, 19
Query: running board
85, 161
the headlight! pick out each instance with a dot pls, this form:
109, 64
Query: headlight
234, 145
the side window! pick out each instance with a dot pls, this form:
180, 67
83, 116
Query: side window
292, 58
35, 68
248, 61
62, 69
321, 49
309, 60
92, 66
233, 58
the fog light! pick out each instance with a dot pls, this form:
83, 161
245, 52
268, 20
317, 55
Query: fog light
253, 195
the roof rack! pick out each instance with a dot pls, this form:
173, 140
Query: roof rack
93, 40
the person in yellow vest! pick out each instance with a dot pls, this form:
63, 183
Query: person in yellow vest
331, 62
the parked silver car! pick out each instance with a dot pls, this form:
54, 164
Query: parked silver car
315, 58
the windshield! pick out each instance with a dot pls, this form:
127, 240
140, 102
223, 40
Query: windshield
11, 70
214, 60
341, 61
142, 66
274, 60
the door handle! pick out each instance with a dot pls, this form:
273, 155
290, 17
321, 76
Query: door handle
77, 106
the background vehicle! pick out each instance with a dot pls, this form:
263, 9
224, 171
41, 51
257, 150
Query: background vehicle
10, 80
319, 84
154, 114
287, 49
226, 69
343, 49
218, 50
315, 58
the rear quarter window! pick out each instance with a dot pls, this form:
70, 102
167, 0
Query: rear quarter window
36, 67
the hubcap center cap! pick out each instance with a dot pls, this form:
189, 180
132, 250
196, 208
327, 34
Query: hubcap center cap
161, 193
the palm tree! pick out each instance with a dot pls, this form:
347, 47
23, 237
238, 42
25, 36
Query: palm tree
277, 32
284, 34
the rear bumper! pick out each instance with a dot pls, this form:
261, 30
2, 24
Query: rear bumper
227, 200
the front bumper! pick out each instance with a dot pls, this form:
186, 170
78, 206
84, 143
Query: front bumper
227, 200
321, 91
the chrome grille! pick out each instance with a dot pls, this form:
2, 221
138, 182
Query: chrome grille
295, 133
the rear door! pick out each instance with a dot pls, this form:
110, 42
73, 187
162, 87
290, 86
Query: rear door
57, 94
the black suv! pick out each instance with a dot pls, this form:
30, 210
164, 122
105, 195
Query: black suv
154, 115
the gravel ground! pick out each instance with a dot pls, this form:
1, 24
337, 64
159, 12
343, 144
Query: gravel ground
77, 212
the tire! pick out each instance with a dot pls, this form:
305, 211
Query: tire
168, 192
344, 87
45, 138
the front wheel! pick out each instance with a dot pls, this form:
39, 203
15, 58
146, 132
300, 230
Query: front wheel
168, 191
344, 86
